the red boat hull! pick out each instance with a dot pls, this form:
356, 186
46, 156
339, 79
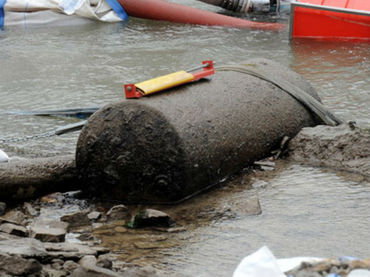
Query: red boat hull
167, 11
328, 22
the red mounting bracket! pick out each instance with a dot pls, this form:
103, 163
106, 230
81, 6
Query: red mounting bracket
207, 70
131, 91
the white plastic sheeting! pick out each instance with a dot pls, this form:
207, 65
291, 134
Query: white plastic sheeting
263, 263
27, 12
3, 157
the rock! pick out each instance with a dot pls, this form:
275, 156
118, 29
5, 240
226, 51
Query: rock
150, 217
120, 229
13, 229
70, 266
19, 266
30, 210
52, 198
2, 208
74, 251
48, 230
340, 147
118, 212
89, 268
252, 206
106, 260
57, 264
52, 272
6, 236
15, 216
76, 219
94, 216
364, 264
146, 271
24, 247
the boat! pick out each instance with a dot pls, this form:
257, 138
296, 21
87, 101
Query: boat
330, 19
168, 11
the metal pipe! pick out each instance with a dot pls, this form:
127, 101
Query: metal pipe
242, 6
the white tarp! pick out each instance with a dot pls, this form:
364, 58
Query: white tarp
3, 157
263, 263
26, 12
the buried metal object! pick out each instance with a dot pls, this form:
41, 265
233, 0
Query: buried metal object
172, 145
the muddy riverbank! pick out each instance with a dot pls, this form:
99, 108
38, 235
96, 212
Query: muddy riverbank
261, 205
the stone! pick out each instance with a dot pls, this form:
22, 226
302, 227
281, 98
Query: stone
94, 216
74, 251
24, 247
120, 229
252, 205
30, 210
76, 219
16, 265
52, 198
118, 212
13, 229
2, 208
48, 230
340, 147
49, 271
106, 260
146, 271
57, 264
150, 217
364, 264
70, 266
88, 268
15, 216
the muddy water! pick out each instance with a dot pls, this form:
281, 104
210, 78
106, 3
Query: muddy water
305, 211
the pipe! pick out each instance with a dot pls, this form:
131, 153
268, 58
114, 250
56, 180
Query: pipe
166, 11
171, 145
30, 178
241, 6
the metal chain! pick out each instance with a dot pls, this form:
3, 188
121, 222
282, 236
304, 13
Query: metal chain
26, 138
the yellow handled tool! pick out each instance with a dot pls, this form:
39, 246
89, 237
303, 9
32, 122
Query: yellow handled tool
168, 81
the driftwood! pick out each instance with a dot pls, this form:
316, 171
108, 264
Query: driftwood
22, 179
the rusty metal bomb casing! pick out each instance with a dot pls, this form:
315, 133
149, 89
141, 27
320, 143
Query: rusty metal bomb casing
173, 144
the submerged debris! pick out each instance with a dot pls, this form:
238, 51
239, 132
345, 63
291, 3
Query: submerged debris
150, 217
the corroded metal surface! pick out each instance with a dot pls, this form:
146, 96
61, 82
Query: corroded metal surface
173, 144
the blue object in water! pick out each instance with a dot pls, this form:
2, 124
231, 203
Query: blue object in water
117, 8
2, 4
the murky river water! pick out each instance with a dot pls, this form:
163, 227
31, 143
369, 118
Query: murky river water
305, 211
